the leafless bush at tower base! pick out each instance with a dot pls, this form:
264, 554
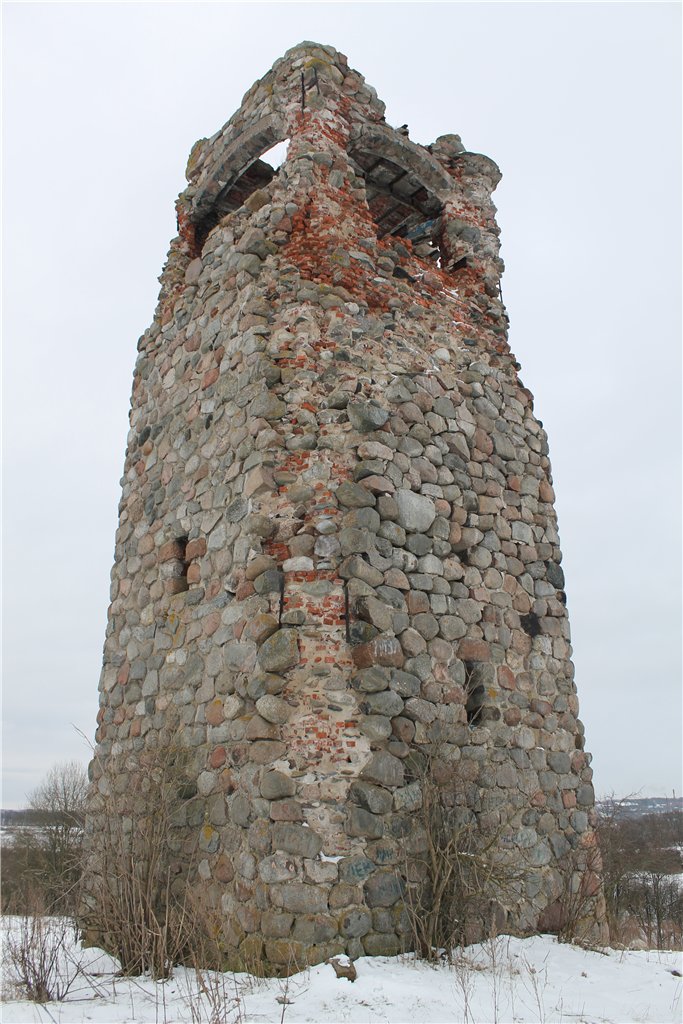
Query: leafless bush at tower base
459, 884
139, 902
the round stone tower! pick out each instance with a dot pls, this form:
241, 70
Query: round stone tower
337, 584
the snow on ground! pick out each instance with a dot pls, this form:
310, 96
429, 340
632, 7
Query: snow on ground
504, 980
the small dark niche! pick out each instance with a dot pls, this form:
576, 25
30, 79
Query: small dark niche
475, 691
531, 624
181, 565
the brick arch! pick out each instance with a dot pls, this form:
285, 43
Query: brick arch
405, 186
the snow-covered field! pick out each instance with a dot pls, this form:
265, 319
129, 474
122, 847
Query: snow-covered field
504, 980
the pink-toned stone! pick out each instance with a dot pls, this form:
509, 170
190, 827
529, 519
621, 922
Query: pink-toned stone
261, 627
473, 650
217, 757
210, 377
286, 810
195, 548
211, 623
506, 678
512, 716
378, 484
244, 590
223, 870
214, 714
546, 492
383, 650
417, 602
172, 550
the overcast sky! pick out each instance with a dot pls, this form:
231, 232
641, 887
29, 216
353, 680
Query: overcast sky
579, 104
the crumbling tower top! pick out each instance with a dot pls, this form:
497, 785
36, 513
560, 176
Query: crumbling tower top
409, 188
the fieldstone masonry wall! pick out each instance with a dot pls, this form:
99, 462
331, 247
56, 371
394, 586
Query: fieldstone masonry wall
337, 549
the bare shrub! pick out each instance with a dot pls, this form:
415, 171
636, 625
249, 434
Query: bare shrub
458, 879
641, 859
637, 860
535, 982
619, 849
44, 855
36, 958
60, 797
138, 902
213, 997
581, 872
465, 983
655, 901
21, 866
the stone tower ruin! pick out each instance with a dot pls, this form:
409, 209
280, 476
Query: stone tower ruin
337, 577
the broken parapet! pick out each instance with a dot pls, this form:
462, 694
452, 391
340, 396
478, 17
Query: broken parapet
337, 571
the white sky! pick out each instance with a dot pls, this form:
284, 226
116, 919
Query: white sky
579, 104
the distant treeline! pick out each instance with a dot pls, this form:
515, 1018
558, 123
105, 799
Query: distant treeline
31, 817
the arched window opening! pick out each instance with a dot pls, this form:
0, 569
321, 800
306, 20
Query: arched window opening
400, 204
276, 155
257, 175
